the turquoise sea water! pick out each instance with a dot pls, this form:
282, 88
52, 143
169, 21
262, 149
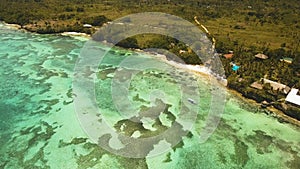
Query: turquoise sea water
39, 127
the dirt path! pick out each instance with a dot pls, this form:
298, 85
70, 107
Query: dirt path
206, 31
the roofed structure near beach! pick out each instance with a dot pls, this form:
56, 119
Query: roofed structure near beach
287, 60
257, 85
293, 97
228, 56
261, 56
277, 86
87, 25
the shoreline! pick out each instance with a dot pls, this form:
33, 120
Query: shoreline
197, 69
273, 112
11, 26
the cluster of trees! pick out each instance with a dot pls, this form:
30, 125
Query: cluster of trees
98, 20
272, 11
253, 69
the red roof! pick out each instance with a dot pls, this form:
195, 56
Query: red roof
228, 56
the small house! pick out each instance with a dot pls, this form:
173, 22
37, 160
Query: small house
287, 60
261, 56
228, 56
257, 85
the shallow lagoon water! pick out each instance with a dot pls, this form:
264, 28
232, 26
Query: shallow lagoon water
39, 127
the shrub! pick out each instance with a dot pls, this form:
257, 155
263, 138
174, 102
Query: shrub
96, 20
68, 9
128, 43
80, 9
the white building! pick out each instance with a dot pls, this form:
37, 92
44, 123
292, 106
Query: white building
293, 97
87, 25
